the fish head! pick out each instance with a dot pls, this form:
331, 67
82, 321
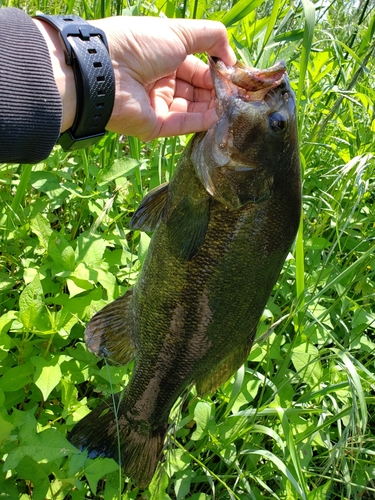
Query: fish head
255, 139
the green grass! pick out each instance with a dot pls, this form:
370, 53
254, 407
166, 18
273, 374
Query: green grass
296, 422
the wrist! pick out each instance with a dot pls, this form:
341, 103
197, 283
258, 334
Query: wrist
63, 73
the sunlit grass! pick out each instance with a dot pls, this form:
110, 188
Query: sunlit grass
296, 421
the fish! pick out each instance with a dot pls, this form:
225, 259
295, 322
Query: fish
222, 228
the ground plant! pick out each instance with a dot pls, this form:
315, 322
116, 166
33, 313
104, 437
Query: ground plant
297, 420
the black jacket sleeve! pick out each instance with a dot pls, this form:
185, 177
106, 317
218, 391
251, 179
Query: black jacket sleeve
30, 104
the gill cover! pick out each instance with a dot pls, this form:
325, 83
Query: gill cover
229, 173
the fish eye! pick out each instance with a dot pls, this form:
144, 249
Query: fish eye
277, 122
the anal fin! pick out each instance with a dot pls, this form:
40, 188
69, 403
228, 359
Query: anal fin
209, 382
109, 333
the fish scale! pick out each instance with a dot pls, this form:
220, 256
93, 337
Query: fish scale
222, 230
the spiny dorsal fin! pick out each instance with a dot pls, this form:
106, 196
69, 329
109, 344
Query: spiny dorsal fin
109, 333
187, 226
150, 211
208, 383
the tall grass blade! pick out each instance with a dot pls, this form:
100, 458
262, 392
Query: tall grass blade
281, 467
309, 12
240, 10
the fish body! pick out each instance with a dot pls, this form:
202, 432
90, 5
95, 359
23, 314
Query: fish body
222, 230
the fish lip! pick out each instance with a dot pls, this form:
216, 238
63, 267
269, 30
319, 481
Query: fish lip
246, 83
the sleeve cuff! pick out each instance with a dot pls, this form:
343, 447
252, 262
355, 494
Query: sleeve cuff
30, 103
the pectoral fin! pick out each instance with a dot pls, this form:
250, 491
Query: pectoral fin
208, 383
150, 211
187, 226
109, 333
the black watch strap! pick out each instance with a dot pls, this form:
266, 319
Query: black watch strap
86, 50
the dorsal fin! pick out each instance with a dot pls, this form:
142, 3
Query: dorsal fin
110, 332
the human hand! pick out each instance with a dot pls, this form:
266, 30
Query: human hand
161, 89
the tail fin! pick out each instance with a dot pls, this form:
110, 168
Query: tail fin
140, 445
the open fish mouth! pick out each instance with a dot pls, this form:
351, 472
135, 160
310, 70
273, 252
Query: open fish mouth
248, 84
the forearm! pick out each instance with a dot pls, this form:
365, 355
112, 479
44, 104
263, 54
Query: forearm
30, 105
63, 73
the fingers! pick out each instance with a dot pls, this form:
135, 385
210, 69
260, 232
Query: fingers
180, 123
195, 72
205, 36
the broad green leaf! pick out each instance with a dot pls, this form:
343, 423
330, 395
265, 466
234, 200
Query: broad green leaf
46, 182
96, 469
182, 485
119, 168
31, 304
90, 249
17, 377
320, 493
5, 430
202, 416
42, 228
108, 281
7, 319
29, 470
46, 446
5, 340
8, 489
176, 461
247, 394
47, 375
158, 486
305, 358
60, 251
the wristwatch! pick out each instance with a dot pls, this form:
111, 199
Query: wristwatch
86, 50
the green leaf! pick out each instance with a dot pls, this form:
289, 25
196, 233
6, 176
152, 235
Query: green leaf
8, 489
90, 249
305, 358
29, 470
202, 416
320, 493
45, 181
47, 446
240, 10
41, 227
5, 430
309, 11
96, 469
32, 304
144, 243
60, 251
47, 375
119, 168
16, 377
158, 486
267, 455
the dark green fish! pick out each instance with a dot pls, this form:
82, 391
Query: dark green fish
223, 228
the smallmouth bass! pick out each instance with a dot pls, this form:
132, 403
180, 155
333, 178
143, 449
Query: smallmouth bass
222, 229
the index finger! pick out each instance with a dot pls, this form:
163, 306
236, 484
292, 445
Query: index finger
195, 72
205, 36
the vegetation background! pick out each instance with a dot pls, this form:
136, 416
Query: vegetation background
297, 421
